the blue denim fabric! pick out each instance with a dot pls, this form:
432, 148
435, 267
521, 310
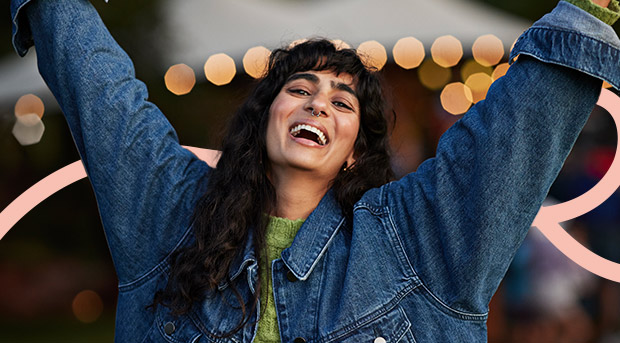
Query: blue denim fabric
422, 256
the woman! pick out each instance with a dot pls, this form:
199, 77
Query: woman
297, 236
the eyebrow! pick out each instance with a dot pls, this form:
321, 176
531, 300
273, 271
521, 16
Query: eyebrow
314, 79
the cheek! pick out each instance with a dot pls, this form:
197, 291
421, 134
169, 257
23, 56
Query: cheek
277, 112
275, 127
350, 129
271, 138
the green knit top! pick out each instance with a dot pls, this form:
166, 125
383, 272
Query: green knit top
279, 236
607, 15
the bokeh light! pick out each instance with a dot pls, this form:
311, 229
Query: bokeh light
180, 79
456, 98
433, 76
488, 50
339, 44
28, 129
479, 84
447, 51
471, 67
28, 104
87, 306
297, 42
500, 71
220, 69
408, 52
373, 54
255, 61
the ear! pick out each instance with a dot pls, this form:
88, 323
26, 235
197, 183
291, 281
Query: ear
351, 159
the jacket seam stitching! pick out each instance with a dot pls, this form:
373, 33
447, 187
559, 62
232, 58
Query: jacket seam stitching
570, 32
400, 242
423, 284
158, 267
460, 313
371, 208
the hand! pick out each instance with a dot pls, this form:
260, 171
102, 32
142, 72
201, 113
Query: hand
602, 3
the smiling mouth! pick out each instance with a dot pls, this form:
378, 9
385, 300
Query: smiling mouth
309, 132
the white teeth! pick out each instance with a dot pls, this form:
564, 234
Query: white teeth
295, 131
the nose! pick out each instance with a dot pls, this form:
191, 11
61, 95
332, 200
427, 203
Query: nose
317, 106
316, 113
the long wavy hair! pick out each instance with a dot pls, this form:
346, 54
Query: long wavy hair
239, 193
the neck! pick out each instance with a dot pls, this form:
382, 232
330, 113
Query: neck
298, 193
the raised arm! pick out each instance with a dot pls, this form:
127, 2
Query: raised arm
145, 183
466, 211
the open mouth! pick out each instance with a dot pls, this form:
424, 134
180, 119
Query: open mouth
309, 132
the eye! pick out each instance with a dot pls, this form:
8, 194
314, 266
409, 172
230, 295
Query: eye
343, 105
298, 91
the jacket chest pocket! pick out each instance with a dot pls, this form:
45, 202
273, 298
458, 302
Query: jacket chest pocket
390, 328
173, 329
182, 329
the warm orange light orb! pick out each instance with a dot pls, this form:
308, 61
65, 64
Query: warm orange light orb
339, 44
408, 52
500, 71
373, 54
433, 76
456, 98
479, 84
255, 61
28, 104
488, 50
180, 79
447, 51
220, 69
471, 67
297, 42
87, 306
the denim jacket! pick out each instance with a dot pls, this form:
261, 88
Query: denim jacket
421, 257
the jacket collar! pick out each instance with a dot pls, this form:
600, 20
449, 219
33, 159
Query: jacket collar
314, 237
310, 243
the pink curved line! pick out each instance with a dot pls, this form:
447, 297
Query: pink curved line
60, 179
603, 189
578, 253
548, 218
39, 192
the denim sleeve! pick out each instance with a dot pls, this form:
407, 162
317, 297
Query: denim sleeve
462, 215
145, 183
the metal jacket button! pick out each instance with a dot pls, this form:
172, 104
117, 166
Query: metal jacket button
379, 340
169, 328
299, 340
291, 277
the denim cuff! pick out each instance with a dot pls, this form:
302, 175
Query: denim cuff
571, 37
21, 35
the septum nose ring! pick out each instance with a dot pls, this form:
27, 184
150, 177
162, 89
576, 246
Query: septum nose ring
318, 114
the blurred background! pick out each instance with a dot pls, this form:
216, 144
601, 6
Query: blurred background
200, 58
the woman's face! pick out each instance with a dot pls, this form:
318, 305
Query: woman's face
296, 139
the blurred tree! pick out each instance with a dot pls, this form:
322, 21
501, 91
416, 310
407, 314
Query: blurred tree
529, 9
138, 27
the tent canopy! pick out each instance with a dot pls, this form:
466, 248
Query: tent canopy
200, 28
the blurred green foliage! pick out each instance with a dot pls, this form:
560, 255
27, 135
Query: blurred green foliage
529, 9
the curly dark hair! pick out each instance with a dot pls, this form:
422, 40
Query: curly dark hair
239, 193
